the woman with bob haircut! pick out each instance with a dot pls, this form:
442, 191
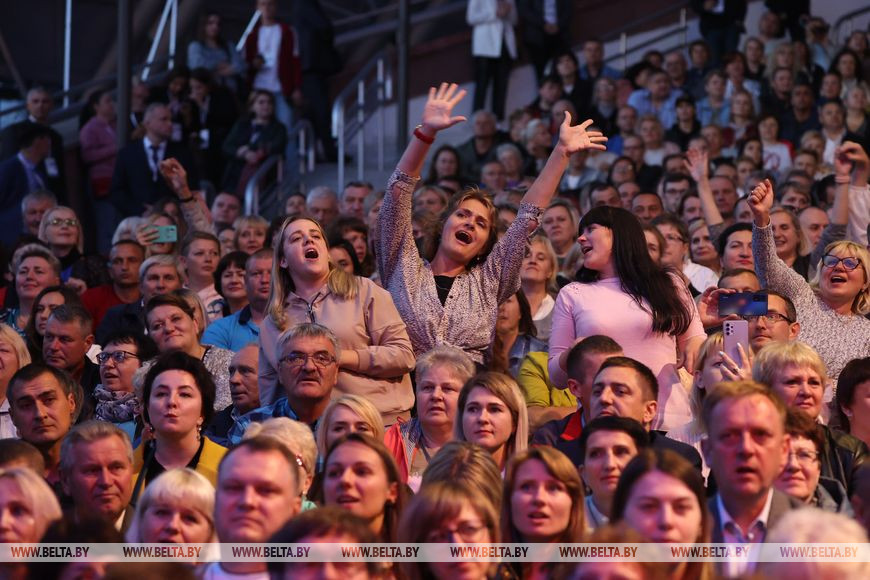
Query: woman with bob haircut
326, 525
542, 503
177, 507
453, 295
27, 506
173, 325
376, 354
250, 234
466, 464
538, 281
492, 413
347, 414
797, 374
621, 293
177, 404
439, 376
360, 475
13, 356
447, 512
853, 394
662, 496
831, 308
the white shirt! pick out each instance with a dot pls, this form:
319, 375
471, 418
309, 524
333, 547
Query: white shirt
214, 572
831, 146
550, 14
269, 47
7, 427
161, 154
700, 276
732, 534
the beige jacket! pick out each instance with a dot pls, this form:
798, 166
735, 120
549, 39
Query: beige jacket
368, 324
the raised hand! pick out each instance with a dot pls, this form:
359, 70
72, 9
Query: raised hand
760, 201
573, 139
439, 106
851, 158
174, 174
697, 164
731, 371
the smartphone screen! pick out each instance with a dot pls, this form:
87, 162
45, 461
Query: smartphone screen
743, 304
166, 235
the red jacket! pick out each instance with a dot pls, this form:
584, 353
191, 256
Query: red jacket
289, 66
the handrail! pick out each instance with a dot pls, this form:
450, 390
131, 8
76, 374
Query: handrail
391, 25
252, 189
847, 17
374, 77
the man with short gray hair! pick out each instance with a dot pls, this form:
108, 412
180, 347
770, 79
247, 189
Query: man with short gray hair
321, 203
33, 207
96, 471
308, 372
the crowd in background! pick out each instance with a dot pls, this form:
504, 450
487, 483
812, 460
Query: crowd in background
521, 339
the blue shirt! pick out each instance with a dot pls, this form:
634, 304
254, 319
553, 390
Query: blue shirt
667, 113
233, 332
708, 115
606, 72
280, 408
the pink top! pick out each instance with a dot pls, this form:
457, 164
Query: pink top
604, 308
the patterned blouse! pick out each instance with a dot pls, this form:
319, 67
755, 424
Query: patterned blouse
467, 318
837, 338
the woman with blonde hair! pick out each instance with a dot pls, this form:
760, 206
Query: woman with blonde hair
27, 507
447, 512
147, 234
376, 354
61, 230
538, 282
831, 307
492, 413
177, 507
347, 414
542, 503
299, 439
439, 376
33, 269
250, 233
797, 374
13, 356
791, 247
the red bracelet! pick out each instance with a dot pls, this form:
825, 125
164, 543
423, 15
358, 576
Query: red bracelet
422, 136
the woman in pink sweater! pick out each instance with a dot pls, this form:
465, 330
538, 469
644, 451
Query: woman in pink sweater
621, 293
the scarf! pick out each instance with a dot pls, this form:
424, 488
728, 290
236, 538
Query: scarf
115, 406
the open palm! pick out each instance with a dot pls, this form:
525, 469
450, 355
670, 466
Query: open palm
439, 106
574, 139
697, 164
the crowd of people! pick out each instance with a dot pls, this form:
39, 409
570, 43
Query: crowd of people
521, 339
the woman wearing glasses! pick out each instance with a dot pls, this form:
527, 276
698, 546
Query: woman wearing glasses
831, 307
796, 373
115, 400
62, 232
375, 352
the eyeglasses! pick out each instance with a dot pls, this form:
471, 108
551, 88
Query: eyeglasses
297, 360
466, 531
63, 222
849, 262
674, 238
804, 456
770, 317
118, 356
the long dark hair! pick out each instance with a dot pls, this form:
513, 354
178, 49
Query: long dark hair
34, 339
639, 276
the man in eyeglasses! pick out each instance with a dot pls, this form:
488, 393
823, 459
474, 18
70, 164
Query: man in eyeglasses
308, 372
778, 325
124, 354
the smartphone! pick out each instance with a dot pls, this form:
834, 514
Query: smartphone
743, 304
166, 235
736, 332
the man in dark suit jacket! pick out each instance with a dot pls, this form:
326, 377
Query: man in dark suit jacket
136, 182
19, 175
746, 449
547, 30
39, 105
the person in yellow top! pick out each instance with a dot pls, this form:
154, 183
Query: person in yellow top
178, 400
545, 401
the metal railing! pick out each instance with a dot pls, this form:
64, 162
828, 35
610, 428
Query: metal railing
846, 20
681, 29
260, 182
365, 96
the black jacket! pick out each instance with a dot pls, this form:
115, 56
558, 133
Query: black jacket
841, 456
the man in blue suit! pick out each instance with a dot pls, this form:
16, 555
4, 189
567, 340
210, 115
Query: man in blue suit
20, 175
